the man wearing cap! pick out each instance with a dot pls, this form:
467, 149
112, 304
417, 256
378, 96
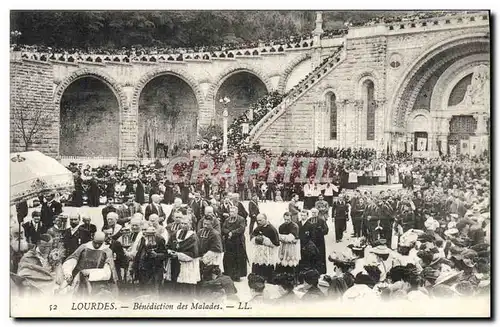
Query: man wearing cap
92, 261
315, 229
74, 236
135, 238
34, 228
107, 209
265, 241
155, 208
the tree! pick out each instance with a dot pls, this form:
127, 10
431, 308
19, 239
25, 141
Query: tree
28, 122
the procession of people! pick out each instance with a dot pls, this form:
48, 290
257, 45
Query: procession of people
430, 238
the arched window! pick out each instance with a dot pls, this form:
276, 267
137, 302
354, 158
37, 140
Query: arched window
369, 108
332, 109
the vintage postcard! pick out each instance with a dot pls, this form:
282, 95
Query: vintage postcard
250, 164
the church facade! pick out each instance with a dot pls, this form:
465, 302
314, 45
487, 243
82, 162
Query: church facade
420, 85
394, 88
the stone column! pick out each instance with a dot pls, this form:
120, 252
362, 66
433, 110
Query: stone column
129, 129
318, 31
482, 131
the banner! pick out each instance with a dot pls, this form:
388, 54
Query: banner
464, 146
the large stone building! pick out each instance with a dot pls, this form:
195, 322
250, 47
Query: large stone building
419, 85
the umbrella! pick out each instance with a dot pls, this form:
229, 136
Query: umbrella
33, 173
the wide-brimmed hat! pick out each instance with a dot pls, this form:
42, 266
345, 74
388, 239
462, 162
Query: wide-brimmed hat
381, 249
451, 232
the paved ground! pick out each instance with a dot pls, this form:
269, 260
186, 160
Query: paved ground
275, 211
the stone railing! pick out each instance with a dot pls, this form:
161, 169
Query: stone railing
159, 58
441, 21
297, 91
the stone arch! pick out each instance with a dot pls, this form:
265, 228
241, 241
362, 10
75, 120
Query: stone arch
452, 76
420, 113
289, 69
228, 72
98, 74
398, 114
370, 75
180, 73
113, 85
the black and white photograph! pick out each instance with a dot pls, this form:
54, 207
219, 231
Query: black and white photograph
250, 163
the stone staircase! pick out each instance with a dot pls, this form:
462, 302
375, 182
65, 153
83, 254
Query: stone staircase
297, 92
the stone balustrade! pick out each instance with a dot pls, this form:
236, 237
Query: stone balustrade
158, 58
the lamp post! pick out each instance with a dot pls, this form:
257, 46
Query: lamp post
225, 114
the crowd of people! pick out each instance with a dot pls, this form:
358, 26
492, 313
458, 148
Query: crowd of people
429, 239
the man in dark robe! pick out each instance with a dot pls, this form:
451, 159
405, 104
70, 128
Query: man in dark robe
198, 207
340, 214
183, 264
253, 208
107, 209
210, 216
88, 227
289, 253
73, 237
113, 237
242, 212
93, 192
357, 210
50, 209
168, 196
139, 191
210, 245
35, 269
265, 241
148, 262
233, 235
33, 229
92, 264
322, 207
78, 192
293, 208
315, 229
155, 208
22, 211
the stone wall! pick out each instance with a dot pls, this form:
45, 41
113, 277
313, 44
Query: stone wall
307, 119
31, 89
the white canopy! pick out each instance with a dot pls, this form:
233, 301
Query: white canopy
33, 173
